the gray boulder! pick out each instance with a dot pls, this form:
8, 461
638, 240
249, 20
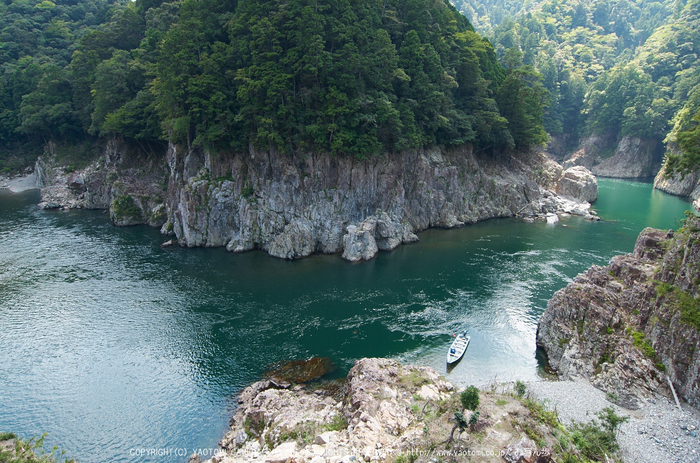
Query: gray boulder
359, 243
579, 184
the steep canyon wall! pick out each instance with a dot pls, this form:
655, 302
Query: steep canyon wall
294, 205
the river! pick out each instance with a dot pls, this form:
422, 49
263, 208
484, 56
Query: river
112, 345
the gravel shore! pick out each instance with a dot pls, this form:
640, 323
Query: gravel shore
19, 184
657, 432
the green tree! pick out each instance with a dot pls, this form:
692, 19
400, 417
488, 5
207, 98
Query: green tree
521, 99
469, 398
688, 160
48, 110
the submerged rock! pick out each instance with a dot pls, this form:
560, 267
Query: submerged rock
302, 371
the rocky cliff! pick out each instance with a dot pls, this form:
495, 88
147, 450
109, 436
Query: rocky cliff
629, 324
688, 185
632, 157
131, 188
292, 206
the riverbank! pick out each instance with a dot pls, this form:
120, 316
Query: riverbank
293, 206
656, 432
20, 184
385, 411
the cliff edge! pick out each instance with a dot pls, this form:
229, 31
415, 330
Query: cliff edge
292, 206
629, 325
680, 185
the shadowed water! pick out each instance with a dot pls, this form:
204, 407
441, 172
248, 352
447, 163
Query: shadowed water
111, 344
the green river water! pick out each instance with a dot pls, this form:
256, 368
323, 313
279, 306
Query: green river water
113, 345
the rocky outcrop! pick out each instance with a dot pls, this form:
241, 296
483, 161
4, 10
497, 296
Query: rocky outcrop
380, 232
133, 192
589, 148
384, 411
634, 158
579, 184
608, 156
679, 185
18, 184
627, 325
292, 206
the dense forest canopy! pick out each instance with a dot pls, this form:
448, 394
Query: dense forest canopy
351, 77
612, 67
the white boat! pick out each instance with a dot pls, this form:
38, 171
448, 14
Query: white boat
459, 345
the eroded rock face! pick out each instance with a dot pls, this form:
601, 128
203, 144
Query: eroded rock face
384, 411
579, 184
374, 409
293, 206
133, 195
634, 158
688, 185
621, 325
585, 155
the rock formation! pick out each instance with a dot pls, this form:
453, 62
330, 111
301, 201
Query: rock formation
384, 411
18, 184
629, 324
577, 183
133, 192
292, 206
586, 153
679, 185
632, 157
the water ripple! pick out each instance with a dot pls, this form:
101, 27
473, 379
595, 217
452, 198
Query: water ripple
111, 343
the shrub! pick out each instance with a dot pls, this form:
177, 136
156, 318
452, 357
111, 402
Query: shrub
339, 423
520, 388
29, 451
542, 415
461, 423
686, 303
595, 440
125, 207
642, 344
470, 398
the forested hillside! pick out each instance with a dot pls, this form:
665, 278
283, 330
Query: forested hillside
349, 78
612, 67
37, 40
